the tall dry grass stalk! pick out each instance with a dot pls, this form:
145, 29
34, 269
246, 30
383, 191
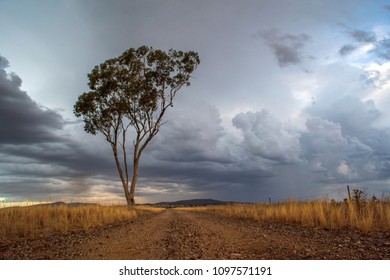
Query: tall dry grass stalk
366, 216
32, 221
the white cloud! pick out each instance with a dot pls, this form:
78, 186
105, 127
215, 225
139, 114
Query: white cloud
345, 170
323, 145
265, 136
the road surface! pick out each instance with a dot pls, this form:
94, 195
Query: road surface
187, 235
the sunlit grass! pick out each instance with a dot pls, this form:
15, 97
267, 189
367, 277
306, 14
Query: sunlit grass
33, 221
196, 208
149, 208
368, 215
6, 204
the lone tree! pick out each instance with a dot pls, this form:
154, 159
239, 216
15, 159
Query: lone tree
133, 90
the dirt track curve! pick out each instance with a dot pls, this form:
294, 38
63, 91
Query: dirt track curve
198, 235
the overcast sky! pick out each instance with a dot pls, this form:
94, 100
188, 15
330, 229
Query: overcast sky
291, 99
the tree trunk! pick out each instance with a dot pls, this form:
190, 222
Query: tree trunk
130, 200
125, 184
130, 197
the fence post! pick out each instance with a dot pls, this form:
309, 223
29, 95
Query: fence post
349, 193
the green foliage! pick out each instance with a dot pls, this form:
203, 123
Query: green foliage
138, 85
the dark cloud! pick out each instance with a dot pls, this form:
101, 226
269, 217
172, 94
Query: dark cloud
3, 64
21, 119
387, 8
336, 157
339, 146
194, 151
69, 158
192, 133
355, 116
53, 169
342, 143
382, 49
322, 147
361, 36
34, 146
347, 49
286, 47
205, 179
264, 136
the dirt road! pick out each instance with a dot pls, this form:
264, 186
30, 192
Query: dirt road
198, 235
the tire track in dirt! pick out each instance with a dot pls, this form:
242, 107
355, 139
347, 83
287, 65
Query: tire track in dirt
194, 236
141, 239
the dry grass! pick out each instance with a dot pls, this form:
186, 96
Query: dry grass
195, 208
33, 221
149, 208
366, 215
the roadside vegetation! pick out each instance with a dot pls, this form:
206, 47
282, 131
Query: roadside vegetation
357, 212
35, 221
148, 208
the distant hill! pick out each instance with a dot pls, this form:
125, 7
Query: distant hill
192, 202
61, 203
184, 203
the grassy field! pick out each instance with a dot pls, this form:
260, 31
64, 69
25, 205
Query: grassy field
33, 221
365, 215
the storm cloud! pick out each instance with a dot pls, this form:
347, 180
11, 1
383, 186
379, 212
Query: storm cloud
22, 120
286, 47
361, 36
264, 136
347, 49
343, 142
34, 146
186, 139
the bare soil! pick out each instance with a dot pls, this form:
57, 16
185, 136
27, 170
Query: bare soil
183, 235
